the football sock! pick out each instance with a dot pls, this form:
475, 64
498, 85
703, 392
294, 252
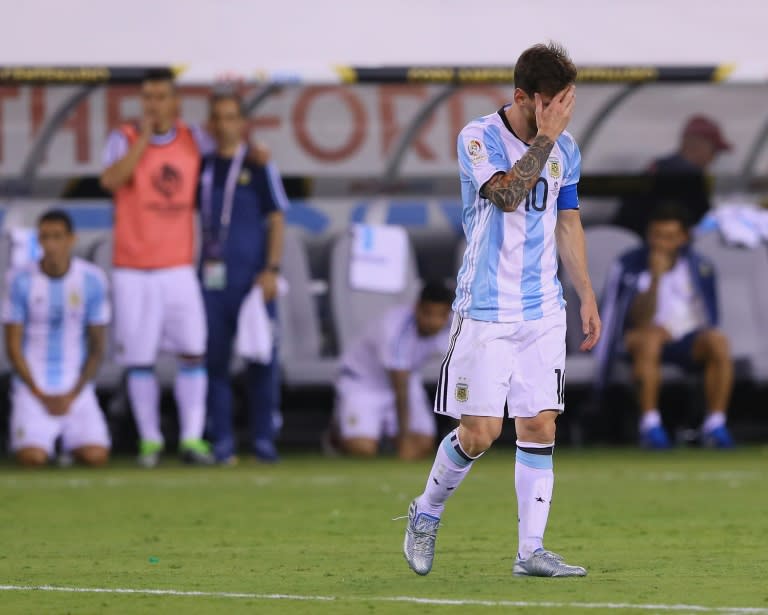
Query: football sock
649, 420
144, 395
714, 420
534, 480
451, 465
190, 389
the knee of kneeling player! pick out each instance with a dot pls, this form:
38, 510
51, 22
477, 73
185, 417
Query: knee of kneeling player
359, 447
93, 456
32, 457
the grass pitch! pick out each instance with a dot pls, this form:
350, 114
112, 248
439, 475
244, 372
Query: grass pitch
685, 528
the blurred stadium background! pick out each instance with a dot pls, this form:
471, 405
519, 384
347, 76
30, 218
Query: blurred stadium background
360, 105
363, 130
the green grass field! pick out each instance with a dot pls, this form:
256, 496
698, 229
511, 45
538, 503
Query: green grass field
685, 528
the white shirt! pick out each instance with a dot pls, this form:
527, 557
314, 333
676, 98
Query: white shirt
509, 270
679, 309
390, 343
56, 313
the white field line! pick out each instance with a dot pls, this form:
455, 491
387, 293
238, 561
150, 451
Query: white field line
680, 608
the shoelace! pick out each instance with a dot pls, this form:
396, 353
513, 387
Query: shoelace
423, 542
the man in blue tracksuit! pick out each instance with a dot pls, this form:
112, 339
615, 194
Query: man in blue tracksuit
241, 212
660, 305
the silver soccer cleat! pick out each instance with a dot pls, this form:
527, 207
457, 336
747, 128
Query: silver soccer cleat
546, 564
420, 536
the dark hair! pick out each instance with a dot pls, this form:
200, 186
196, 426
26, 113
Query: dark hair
545, 69
670, 211
226, 94
57, 215
159, 74
435, 292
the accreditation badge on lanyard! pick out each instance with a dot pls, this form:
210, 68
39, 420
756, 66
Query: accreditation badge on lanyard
214, 265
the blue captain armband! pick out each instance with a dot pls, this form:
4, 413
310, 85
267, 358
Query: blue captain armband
568, 198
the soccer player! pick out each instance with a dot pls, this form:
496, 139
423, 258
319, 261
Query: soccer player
662, 300
55, 314
519, 170
152, 170
380, 391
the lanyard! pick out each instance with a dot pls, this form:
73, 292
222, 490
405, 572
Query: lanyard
206, 194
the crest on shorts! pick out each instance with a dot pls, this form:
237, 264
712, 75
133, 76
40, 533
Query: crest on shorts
476, 151
462, 392
554, 168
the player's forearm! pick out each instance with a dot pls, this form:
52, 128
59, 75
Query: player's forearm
18, 362
508, 190
92, 362
573, 253
275, 235
399, 382
643, 307
121, 172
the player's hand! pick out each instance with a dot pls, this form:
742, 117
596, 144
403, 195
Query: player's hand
659, 262
553, 120
590, 324
147, 127
268, 282
58, 405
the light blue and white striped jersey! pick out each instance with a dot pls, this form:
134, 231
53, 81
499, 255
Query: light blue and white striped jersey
56, 313
509, 270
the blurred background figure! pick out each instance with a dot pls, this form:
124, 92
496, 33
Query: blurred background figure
55, 314
663, 308
152, 170
380, 392
241, 208
681, 176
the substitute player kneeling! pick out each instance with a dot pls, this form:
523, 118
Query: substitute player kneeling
55, 314
379, 392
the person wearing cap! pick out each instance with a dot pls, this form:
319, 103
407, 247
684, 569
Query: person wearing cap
242, 202
681, 176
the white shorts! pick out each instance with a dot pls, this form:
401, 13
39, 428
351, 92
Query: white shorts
157, 310
365, 412
493, 366
32, 427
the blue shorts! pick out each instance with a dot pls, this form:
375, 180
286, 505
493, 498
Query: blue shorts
680, 352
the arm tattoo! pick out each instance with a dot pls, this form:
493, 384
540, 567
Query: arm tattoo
508, 190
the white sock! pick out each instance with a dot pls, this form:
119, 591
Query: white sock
451, 465
190, 388
649, 420
714, 420
144, 395
534, 480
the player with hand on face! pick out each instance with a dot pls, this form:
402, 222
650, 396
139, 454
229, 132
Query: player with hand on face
152, 170
519, 171
671, 317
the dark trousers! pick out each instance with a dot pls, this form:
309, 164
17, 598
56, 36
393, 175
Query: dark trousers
263, 388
